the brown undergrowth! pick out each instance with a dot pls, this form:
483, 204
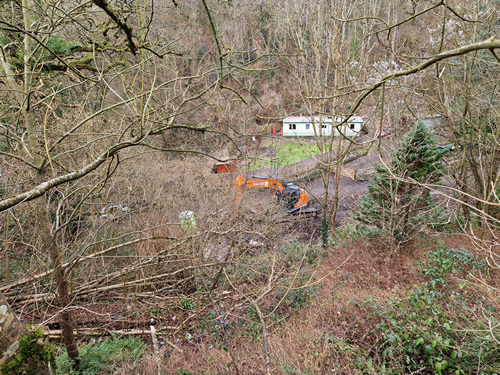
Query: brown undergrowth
302, 344
325, 324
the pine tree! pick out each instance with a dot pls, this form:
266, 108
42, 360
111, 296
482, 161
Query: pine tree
396, 202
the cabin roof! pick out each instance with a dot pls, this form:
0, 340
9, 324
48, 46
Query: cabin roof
318, 119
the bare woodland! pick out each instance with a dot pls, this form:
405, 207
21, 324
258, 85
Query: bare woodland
112, 114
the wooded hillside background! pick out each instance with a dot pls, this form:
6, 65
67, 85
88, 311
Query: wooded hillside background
112, 114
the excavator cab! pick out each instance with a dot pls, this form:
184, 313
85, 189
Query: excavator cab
293, 197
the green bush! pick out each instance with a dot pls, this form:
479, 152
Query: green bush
294, 251
444, 261
440, 220
106, 355
425, 334
436, 329
296, 299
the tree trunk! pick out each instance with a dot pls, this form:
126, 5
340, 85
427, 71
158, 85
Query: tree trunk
336, 185
63, 296
11, 331
21, 350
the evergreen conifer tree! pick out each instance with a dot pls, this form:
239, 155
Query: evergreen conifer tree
396, 203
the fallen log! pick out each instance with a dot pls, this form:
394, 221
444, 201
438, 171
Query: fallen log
83, 332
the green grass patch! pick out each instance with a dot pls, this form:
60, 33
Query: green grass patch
103, 357
286, 153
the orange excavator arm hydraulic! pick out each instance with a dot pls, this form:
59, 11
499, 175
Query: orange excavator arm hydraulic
256, 182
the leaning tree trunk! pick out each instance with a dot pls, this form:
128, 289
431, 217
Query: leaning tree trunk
11, 331
22, 351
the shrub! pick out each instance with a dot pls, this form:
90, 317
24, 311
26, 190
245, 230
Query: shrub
424, 334
294, 251
444, 260
435, 329
394, 203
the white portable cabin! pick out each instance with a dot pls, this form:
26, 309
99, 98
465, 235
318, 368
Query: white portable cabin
432, 122
310, 126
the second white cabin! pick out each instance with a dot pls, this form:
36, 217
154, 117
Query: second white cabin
310, 126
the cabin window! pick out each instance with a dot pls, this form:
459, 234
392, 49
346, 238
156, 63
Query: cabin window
323, 126
292, 126
308, 126
351, 126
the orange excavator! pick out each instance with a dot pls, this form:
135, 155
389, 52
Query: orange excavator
293, 197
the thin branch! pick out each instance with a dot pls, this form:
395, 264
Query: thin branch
212, 27
18, 158
103, 4
265, 338
42, 188
489, 44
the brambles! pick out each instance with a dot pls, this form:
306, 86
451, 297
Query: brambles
435, 327
442, 325
444, 260
291, 292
